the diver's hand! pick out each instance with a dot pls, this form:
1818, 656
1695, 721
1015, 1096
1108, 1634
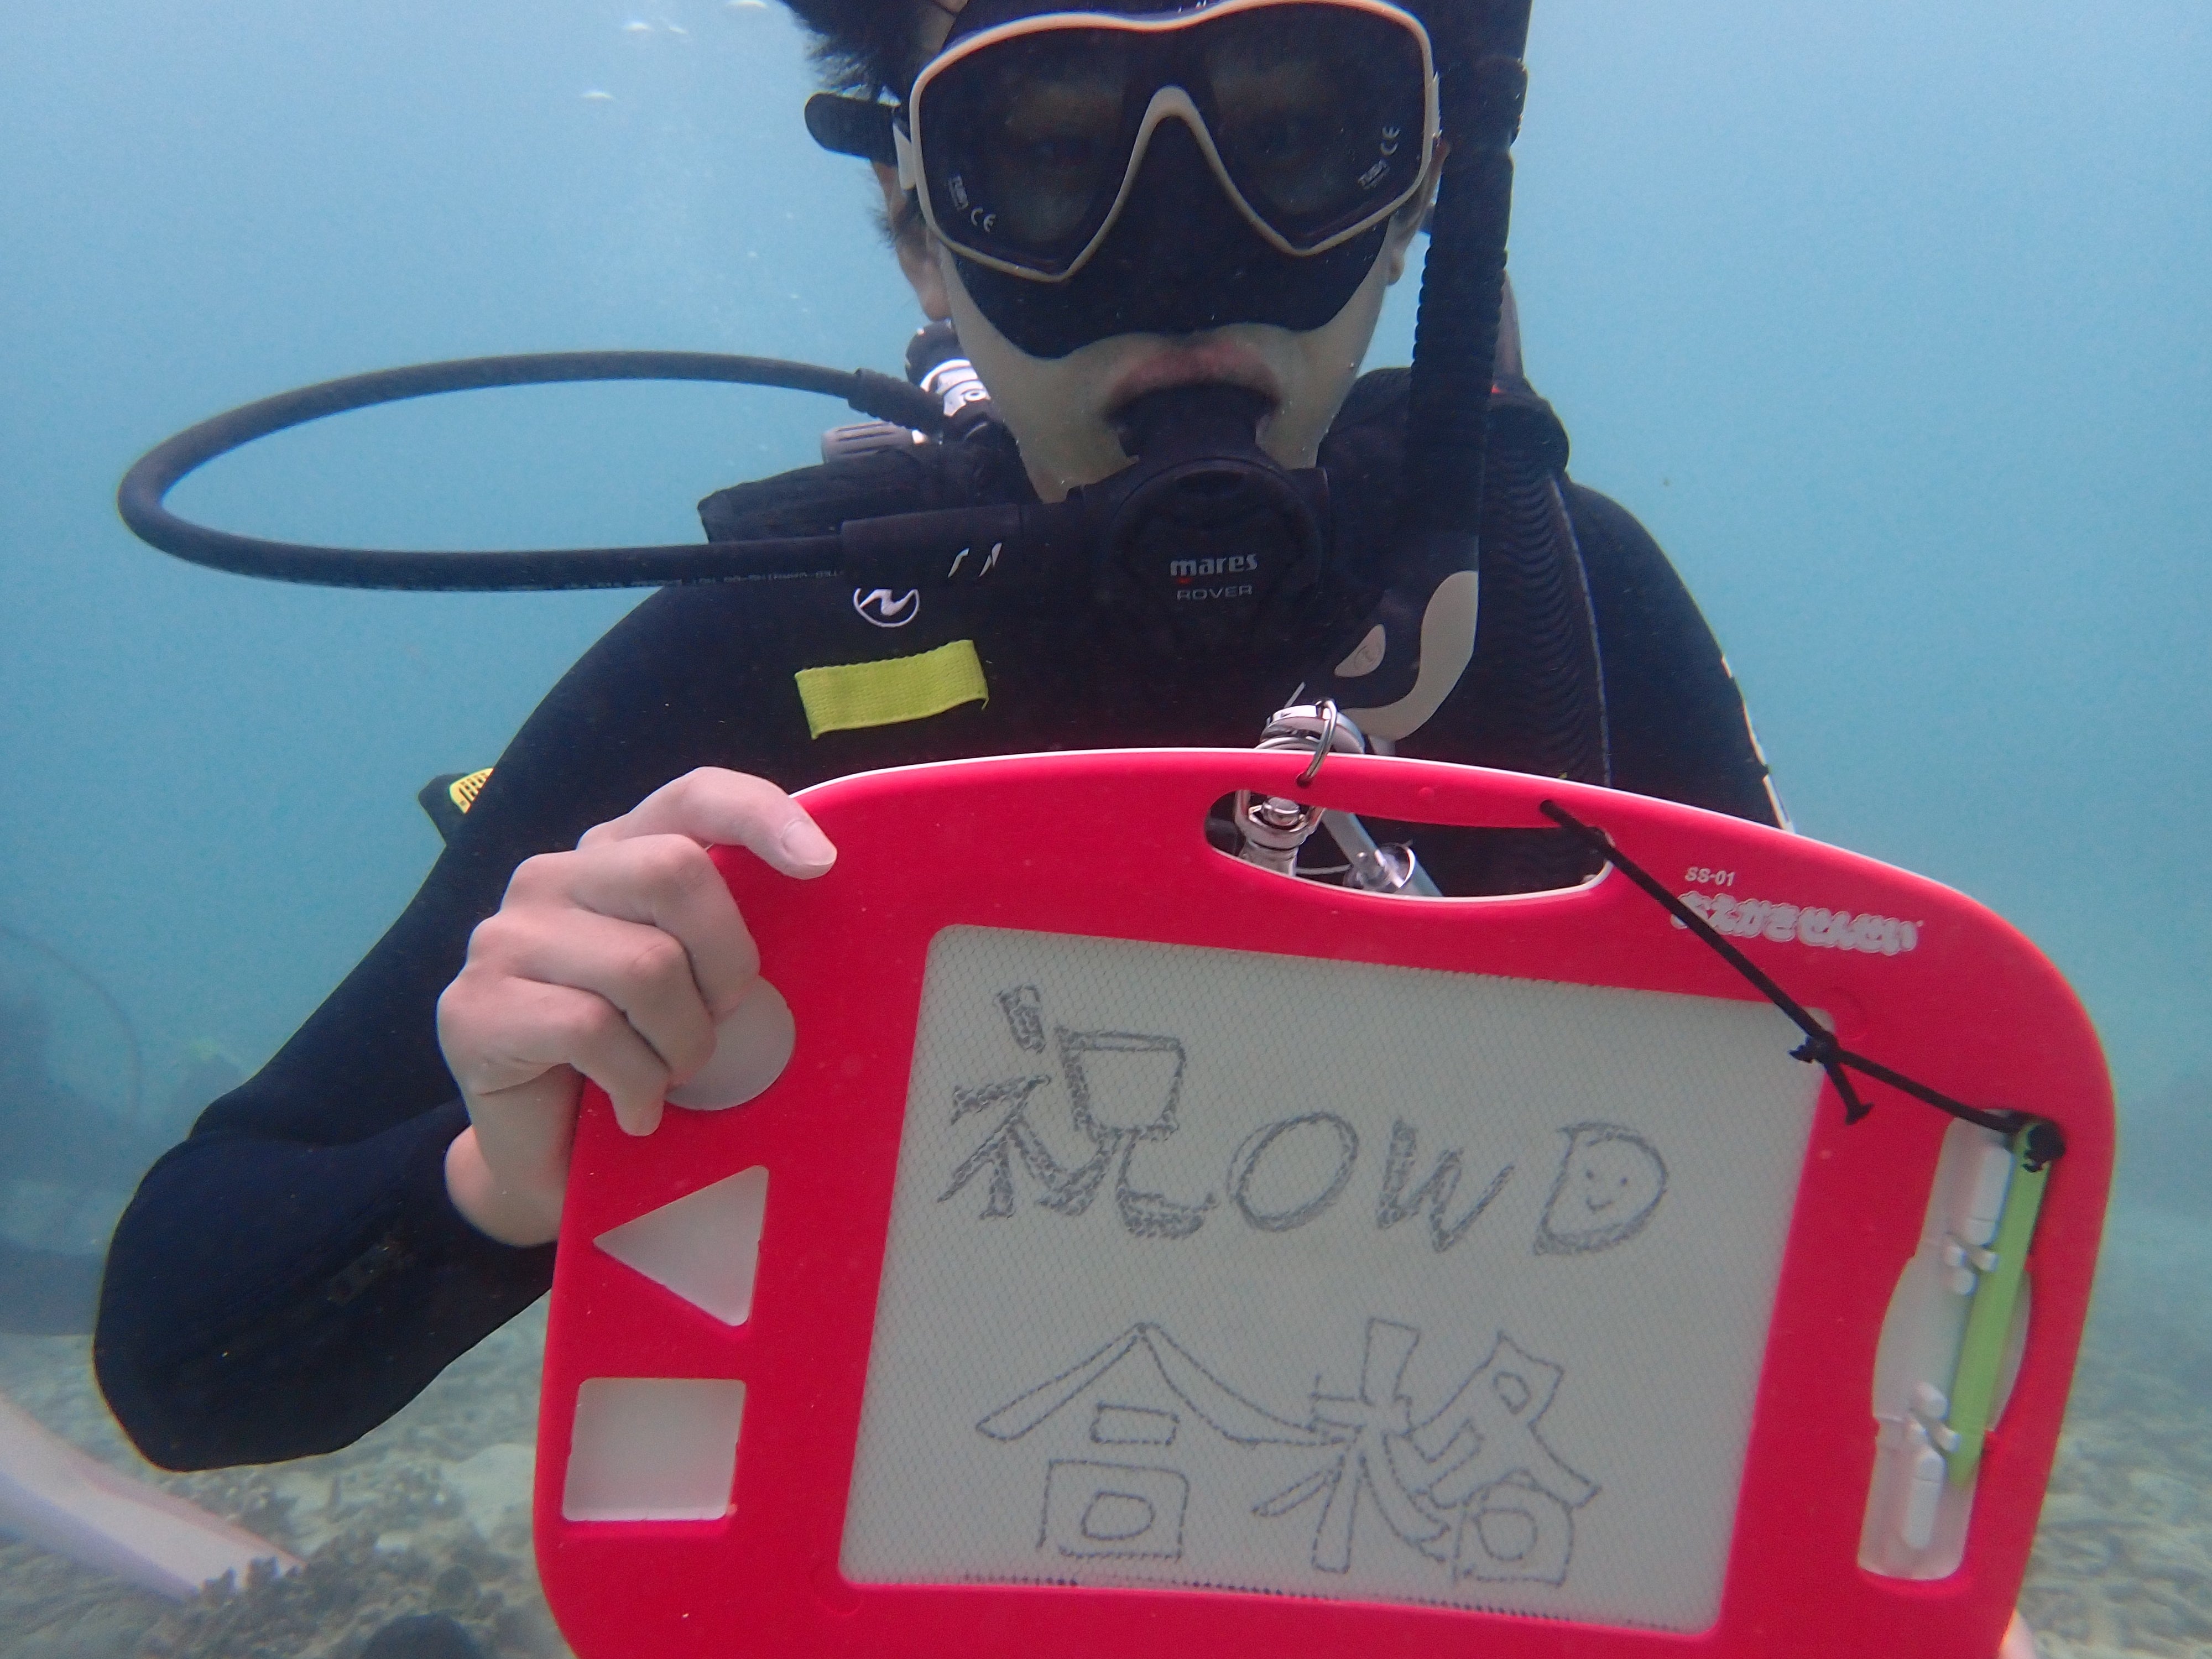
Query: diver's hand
613, 963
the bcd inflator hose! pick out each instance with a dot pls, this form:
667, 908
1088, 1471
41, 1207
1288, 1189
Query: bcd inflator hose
146, 486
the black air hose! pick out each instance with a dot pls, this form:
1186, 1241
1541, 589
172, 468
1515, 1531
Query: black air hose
142, 498
1533, 697
1536, 667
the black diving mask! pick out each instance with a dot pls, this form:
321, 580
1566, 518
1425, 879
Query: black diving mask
1024, 141
1161, 169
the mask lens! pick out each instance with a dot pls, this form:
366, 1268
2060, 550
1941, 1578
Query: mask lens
1024, 144
1318, 113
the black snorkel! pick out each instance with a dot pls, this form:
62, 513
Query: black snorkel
1391, 671
1202, 511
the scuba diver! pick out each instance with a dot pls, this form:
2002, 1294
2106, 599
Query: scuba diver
1146, 230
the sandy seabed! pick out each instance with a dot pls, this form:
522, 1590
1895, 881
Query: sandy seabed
2123, 1561
431, 1513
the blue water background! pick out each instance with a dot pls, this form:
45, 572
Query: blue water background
1890, 320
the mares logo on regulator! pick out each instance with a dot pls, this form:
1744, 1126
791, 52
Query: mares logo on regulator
1190, 578
1206, 535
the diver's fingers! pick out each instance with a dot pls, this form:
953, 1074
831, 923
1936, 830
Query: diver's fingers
523, 1137
718, 807
666, 883
643, 971
498, 1031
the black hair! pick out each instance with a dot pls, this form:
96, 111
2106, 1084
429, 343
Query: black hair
865, 47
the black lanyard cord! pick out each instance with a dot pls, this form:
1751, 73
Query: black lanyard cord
2045, 1141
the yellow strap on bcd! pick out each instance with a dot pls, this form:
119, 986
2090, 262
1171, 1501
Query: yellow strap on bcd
854, 695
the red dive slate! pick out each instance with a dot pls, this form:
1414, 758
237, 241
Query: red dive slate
1140, 1250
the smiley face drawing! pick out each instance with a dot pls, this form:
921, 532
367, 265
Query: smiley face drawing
1610, 1181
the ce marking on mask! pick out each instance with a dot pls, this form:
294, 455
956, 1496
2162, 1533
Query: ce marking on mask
1381, 169
980, 218
880, 606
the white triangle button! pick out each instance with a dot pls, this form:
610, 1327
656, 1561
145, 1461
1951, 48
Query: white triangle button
705, 1246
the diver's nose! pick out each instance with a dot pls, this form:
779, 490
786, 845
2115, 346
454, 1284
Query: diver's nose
1181, 248
1176, 131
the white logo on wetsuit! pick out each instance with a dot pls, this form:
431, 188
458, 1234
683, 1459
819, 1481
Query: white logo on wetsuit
880, 606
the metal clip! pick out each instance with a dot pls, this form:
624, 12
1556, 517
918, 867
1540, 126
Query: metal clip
1322, 744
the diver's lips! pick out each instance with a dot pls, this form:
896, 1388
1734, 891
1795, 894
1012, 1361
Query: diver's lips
1197, 365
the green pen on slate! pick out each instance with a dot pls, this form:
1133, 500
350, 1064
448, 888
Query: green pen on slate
1981, 1351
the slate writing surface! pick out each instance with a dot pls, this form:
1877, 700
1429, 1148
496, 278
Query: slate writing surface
1248, 1271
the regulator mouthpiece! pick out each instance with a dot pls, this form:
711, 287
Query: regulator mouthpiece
1205, 536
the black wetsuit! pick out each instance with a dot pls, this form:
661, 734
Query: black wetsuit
294, 1273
